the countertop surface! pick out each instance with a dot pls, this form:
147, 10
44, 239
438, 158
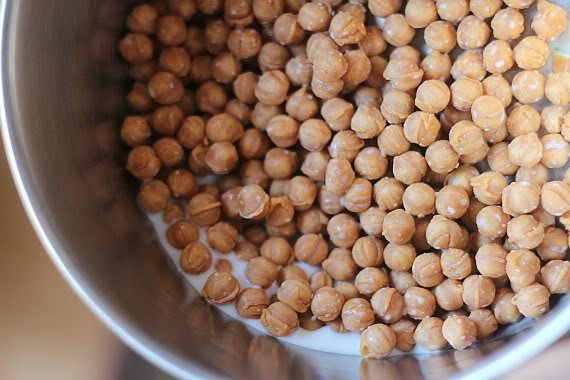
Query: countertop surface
47, 332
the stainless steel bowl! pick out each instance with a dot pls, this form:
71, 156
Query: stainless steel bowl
60, 105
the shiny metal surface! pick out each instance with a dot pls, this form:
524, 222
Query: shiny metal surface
61, 102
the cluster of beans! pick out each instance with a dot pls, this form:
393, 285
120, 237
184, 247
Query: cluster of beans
334, 143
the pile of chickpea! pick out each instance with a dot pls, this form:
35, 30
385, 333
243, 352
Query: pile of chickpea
419, 185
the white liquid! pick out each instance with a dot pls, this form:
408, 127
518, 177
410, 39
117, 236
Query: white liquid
324, 339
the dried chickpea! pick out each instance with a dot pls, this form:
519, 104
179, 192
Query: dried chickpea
531, 53
420, 13
135, 131
525, 150
296, 294
521, 198
550, 21
554, 244
466, 138
272, 56
525, 231
443, 233
491, 260
528, 86
440, 36
222, 157
299, 70
368, 96
272, 87
377, 341
169, 151
557, 88
358, 196
261, 271
464, 91
388, 305
195, 258
448, 294
462, 177
397, 106
153, 196
315, 16
369, 280
553, 118
399, 257
504, 310
555, 151
498, 57
555, 276
507, 24
522, 267
452, 201
488, 187
534, 174
432, 96
346, 28
287, 31
397, 31
485, 8
345, 144
165, 88
291, 272
244, 43
436, 66
421, 128
388, 193
492, 222
302, 105
488, 113
211, 97
283, 131
419, 199
367, 122
279, 319
441, 157
220, 287
368, 252
337, 113
392, 141
469, 64
398, 227
182, 233
459, 331
419, 302
136, 48
280, 163
374, 42
472, 33
555, 197
426, 270
340, 264
478, 291
384, 8
327, 303
222, 236
139, 98
238, 13
311, 248
176, 60
409, 167
523, 119
532, 300
251, 303
339, 176
403, 74
357, 314
429, 335
455, 263
197, 162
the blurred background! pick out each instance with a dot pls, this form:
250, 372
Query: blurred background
47, 332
